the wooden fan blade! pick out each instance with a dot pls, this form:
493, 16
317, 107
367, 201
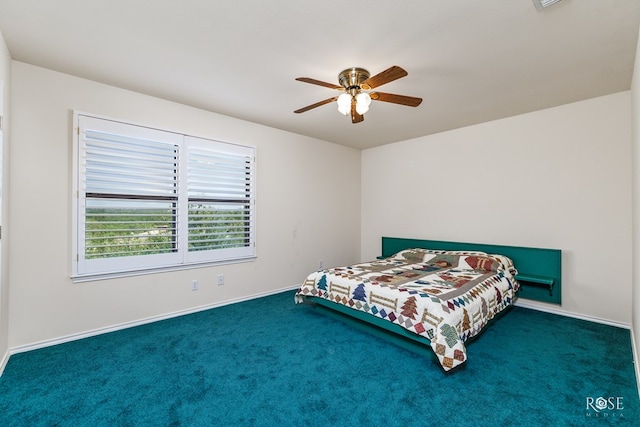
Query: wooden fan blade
317, 104
388, 75
355, 117
409, 101
319, 83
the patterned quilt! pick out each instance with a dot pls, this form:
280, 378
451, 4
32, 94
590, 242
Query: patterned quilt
445, 296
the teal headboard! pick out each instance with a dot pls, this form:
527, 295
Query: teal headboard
539, 270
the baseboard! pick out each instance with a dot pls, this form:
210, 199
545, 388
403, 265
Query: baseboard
3, 362
636, 361
126, 325
557, 310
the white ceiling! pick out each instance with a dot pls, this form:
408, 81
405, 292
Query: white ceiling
471, 61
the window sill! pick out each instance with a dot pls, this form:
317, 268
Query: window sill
106, 276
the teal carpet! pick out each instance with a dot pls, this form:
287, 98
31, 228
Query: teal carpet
268, 362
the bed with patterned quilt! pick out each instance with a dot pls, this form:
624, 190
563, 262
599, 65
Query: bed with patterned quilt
443, 296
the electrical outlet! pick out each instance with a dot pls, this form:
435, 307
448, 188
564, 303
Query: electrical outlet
320, 265
194, 285
220, 279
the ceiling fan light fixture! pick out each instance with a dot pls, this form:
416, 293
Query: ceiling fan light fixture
344, 103
363, 100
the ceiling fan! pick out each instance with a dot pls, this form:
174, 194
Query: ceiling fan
356, 83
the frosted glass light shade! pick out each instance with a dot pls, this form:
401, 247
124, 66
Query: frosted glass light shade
363, 100
344, 103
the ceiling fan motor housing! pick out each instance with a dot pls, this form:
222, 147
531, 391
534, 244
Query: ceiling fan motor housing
352, 78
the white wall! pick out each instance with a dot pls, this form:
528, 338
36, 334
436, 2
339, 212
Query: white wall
558, 178
5, 77
635, 110
294, 229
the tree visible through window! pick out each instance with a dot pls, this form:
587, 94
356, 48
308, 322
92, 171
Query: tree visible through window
148, 198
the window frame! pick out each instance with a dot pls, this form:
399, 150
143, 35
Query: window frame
182, 257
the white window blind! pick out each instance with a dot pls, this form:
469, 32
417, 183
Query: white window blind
148, 198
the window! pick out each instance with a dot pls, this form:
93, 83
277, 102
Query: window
153, 199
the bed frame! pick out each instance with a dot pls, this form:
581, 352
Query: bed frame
539, 274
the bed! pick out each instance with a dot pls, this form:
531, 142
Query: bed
439, 298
